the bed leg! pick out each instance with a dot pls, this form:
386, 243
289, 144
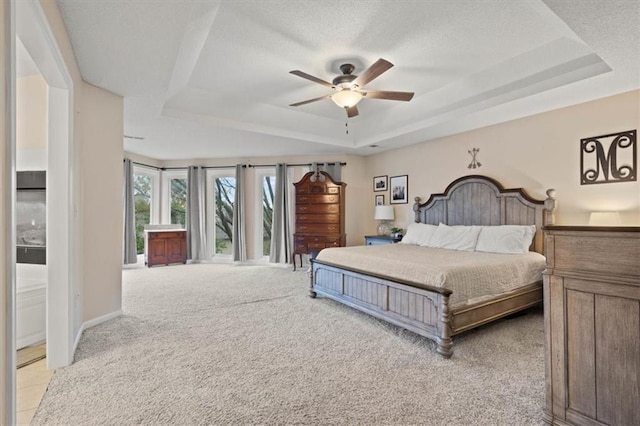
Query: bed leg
445, 344
312, 294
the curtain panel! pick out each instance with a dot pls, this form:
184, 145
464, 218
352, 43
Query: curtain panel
280, 225
129, 223
197, 247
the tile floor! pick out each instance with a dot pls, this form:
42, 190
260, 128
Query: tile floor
32, 382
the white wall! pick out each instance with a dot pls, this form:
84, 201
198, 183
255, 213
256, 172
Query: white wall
535, 153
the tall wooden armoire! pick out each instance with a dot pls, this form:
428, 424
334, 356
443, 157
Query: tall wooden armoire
320, 209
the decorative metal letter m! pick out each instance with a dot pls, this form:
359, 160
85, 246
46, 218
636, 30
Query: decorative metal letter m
609, 158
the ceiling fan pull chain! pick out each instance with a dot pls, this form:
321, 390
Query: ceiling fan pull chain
346, 124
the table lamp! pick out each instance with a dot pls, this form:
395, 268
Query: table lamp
384, 214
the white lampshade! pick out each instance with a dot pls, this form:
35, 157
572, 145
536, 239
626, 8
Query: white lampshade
346, 98
384, 213
604, 219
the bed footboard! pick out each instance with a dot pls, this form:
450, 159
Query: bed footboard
425, 312
421, 311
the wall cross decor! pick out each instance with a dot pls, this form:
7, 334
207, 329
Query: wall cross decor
474, 161
609, 158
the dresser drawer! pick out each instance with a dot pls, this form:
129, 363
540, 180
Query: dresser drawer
317, 218
595, 253
329, 239
301, 247
316, 246
317, 229
166, 235
317, 199
317, 189
318, 208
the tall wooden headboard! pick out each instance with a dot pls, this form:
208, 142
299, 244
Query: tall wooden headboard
480, 200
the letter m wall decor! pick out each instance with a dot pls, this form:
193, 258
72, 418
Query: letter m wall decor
609, 158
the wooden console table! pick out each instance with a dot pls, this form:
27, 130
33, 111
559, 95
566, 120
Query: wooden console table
162, 247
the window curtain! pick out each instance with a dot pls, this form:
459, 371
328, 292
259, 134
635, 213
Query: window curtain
239, 217
333, 169
197, 248
129, 231
280, 225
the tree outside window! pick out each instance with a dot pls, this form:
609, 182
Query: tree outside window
142, 205
179, 201
225, 191
267, 213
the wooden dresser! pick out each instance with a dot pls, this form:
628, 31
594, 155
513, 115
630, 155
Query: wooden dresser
319, 215
162, 247
592, 325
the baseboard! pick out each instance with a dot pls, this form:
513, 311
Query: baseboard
92, 323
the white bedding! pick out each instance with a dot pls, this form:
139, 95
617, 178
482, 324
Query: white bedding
471, 276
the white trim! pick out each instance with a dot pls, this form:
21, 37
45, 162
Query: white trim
7, 207
92, 323
64, 303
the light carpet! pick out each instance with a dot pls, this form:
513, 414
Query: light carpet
224, 344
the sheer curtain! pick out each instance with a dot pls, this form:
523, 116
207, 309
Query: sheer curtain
197, 248
129, 231
280, 225
239, 217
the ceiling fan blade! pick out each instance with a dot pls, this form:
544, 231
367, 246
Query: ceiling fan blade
352, 112
374, 71
308, 101
392, 96
310, 77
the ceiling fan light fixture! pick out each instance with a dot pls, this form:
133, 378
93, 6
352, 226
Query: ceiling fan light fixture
346, 98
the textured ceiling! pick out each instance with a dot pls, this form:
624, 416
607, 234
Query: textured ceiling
208, 79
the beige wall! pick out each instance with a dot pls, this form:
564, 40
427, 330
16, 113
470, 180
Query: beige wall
31, 112
31, 123
535, 153
102, 175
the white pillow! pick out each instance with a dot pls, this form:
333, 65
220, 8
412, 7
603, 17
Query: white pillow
507, 239
455, 237
419, 234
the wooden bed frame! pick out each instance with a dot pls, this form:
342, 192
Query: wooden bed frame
470, 200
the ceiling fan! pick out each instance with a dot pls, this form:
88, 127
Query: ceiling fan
349, 88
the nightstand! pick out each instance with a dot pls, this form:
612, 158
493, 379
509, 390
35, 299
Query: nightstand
374, 240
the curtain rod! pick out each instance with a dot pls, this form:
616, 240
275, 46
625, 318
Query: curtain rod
231, 167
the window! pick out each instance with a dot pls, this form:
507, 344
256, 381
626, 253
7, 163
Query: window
174, 197
142, 207
224, 193
268, 185
146, 201
178, 199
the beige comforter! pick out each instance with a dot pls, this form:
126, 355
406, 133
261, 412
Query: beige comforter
471, 276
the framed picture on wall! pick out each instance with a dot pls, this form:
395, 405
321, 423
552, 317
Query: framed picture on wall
380, 183
399, 186
379, 200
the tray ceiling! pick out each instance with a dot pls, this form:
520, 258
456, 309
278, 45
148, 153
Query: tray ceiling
211, 79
